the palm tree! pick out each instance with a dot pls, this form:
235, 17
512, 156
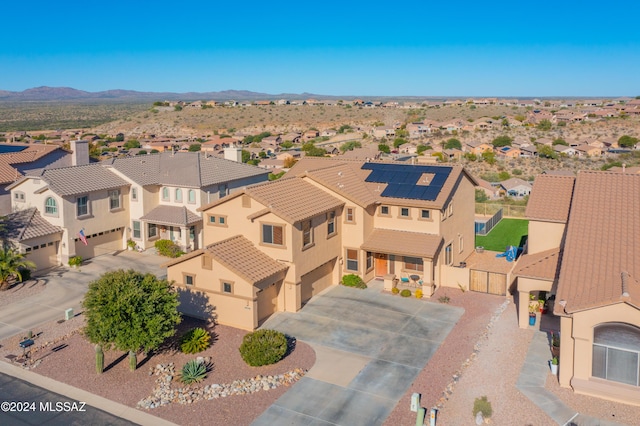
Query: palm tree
12, 263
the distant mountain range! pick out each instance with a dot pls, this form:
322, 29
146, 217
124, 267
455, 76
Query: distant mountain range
45, 93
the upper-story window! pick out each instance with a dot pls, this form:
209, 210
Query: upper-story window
18, 196
134, 194
307, 233
352, 260
165, 194
349, 215
191, 196
404, 211
425, 214
384, 210
82, 205
331, 223
114, 199
178, 195
451, 208
273, 234
51, 206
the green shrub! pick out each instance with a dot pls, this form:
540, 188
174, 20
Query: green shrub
75, 261
194, 371
405, 293
395, 290
352, 280
481, 405
444, 299
263, 347
25, 273
194, 341
168, 248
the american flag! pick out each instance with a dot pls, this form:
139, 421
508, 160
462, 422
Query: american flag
83, 238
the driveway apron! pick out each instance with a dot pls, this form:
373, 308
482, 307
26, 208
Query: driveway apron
370, 346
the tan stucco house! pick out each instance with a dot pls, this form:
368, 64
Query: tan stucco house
142, 198
584, 248
327, 218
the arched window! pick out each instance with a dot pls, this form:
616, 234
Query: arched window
191, 196
616, 353
178, 195
165, 194
50, 206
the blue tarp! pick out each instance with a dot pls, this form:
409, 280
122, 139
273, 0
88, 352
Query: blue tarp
510, 253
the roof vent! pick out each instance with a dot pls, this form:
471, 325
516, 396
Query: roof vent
625, 283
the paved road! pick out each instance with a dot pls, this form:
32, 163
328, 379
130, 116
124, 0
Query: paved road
65, 288
369, 348
43, 403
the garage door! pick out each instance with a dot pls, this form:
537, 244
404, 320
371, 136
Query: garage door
317, 280
101, 243
488, 282
267, 302
44, 256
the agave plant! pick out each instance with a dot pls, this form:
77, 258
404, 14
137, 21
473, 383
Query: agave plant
194, 371
194, 341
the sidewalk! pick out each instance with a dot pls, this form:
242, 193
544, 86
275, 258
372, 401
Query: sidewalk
119, 410
532, 384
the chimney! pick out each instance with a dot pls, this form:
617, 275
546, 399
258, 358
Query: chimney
233, 153
80, 156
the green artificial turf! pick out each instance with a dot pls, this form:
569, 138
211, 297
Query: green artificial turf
508, 232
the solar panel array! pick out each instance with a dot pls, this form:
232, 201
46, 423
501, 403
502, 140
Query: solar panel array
402, 180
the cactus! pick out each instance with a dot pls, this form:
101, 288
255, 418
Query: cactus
99, 359
133, 361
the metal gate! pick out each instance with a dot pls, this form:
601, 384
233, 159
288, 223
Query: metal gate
488, 282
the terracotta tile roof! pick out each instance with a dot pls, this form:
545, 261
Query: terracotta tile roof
187, 169
514, 182
601, 258
403, 243
77, 180
172, 215
293, 199
344, 180
26, 224
543, 265
31, 153
550, 198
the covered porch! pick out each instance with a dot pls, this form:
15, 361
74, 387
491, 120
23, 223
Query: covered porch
178, 224
403, 259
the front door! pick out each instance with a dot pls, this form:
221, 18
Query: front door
381, 264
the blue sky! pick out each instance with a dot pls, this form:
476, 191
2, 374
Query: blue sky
402, 48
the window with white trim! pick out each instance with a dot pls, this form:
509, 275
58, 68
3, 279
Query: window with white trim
307, 233
152, 230
114, 199
272, 234
136, 229
82, 206
331, 223
18, 196
50, 206
165, 194
178, 195
352, 260
616, 353
191, 196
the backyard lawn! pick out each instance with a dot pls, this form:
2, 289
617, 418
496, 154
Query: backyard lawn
508, 232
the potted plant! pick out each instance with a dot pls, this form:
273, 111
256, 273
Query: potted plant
554, 365
533, 307
542, 305
555, 344
75, 262
131, 245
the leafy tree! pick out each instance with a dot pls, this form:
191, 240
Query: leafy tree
470, 156
286, 144
262, 154
154, 151
130, 311
119, 137
195, 147
142, 152
453, 143
545, 151
505, 122
627, 141
131, 143
399, 142
345, 128
504, 176
544, 124
177, 108
489, 157
503, 140
422, 148
559, 141
520, 118
350, 146
402, 133
275, 176
246, 156
517, 172
481, 196
383, 147
12, 264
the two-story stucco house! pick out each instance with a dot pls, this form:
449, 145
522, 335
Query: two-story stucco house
325, 219
584, 249
100, 206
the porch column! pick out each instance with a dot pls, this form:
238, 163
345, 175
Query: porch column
523, 309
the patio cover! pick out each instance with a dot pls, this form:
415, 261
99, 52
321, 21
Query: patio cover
172, 215
413, 244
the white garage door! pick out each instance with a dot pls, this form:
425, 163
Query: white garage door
101, 243
44, 256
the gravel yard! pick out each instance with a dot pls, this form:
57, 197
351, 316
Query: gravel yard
21, 291
75, 365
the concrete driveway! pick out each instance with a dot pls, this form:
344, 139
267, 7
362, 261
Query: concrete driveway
65, 288
370, 347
